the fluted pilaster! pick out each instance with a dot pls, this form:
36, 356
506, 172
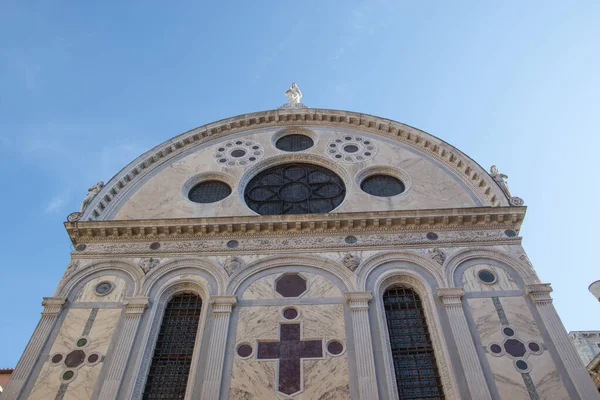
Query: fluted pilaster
363, 344
540, 294
452, 299
222, 306
52, 309
134, 308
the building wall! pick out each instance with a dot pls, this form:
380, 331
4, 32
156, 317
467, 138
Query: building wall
587, 344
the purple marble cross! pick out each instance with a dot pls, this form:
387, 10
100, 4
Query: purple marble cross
288, 351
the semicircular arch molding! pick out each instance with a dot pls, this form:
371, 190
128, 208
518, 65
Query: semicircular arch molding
369, 265
132, 273
337, 270
214, 274
524, 271
121, 186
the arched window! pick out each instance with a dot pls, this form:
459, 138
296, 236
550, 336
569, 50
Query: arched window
417, 375
172, 357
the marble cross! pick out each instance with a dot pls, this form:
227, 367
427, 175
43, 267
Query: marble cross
289, 351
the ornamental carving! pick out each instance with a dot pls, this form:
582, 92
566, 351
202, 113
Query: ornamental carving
438, 255
232, 264
71, 268
147, 264
351, 261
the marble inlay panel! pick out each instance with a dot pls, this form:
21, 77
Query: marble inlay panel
318, 287
545, 377
254, 379
471, 282
88, 291
100, 336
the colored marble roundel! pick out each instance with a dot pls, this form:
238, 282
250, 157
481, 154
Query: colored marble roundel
335, 348
290, 313
244, 350
351, 148
290, 285
239, 152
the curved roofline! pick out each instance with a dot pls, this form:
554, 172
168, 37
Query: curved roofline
464, 167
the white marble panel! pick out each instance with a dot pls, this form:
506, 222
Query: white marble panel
486, 320
471, 282
317, 287
88, 291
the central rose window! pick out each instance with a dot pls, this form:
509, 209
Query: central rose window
295, 189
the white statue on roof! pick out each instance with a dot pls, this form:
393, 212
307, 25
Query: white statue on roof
293, 94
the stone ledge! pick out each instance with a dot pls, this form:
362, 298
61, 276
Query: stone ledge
349, 223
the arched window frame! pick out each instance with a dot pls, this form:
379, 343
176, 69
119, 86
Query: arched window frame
442, 357
151, 336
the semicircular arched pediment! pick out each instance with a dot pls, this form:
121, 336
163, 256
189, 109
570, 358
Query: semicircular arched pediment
440, 175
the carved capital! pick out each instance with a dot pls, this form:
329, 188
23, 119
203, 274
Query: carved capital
539, 292
223, 304
135, 306
53, 305
358, 300
451, 296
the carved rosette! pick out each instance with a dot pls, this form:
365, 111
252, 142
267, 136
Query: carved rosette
74, 216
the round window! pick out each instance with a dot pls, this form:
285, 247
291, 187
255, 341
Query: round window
382, 185
294, 142
486, 276
104, 288
294, 189
209, 192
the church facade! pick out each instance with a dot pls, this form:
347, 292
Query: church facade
300, 253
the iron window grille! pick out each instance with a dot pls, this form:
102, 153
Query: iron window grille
294, 142
168, 376
416, 371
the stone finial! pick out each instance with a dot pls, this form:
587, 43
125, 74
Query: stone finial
351, 261
438, 255
147, 264
232, 264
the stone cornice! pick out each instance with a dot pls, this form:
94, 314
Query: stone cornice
332, 223
453, 159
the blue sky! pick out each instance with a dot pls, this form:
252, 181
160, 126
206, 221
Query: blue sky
85, 87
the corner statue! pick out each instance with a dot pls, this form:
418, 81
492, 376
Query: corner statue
293, 94
92, 192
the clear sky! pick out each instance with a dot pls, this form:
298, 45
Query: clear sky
85, 87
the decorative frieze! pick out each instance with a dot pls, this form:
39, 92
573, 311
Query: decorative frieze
282, 243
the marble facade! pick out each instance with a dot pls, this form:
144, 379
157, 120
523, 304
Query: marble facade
292, 304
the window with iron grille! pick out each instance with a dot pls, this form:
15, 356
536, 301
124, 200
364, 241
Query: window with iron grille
172, 357
294, 189
294, 142
417, 375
